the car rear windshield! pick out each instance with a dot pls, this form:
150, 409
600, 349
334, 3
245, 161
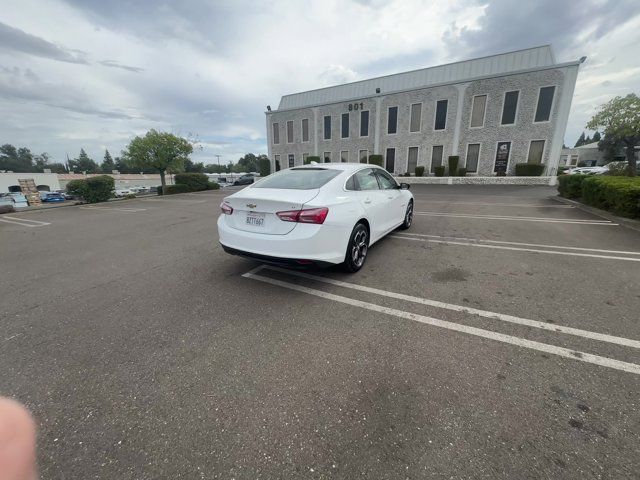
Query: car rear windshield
298, 179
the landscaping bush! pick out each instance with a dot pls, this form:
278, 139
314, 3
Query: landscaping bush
618, 169
562, 169
194, 181
620, 195
77, 188
529, 169
312, 159
405, 174
159, 189
213, 186
439, 171
93, 189
130, 196
376, 160
462, 172
570, 186
177, 188
264, 167
453, 165
419, 171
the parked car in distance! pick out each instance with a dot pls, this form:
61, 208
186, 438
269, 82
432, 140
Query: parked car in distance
322, 214
49, 197
587, 170
123, 192
246, 179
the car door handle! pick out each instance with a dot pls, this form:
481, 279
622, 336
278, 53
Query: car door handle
390, 198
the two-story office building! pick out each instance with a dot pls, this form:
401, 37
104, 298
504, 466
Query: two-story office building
493, 112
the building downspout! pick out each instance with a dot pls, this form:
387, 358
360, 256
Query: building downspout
376, 130
315, 131
462, 88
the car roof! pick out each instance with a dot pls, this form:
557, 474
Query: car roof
346, 167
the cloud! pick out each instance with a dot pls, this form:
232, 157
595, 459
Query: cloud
114, 64
20, 41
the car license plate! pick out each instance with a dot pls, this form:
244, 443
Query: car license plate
255, 219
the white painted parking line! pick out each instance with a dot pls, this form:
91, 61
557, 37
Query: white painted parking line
525, 205
129, 210
517, 249
24, 222
509, 339
603, 337
521, 219
173, 200
502, 242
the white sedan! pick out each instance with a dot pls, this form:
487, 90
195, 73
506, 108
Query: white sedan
322, 214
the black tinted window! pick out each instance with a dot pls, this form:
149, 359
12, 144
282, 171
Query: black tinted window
545, 100
441, 115
510, 107
392, 123
386, 180
298, 179
351, 184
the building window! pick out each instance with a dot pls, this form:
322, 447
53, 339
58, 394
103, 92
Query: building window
510, 108
276, 133
412, 159
441, 115
436, 157
364, 123
304, 158
473, 154
292, 160
290, 131
363, 155
277, 159
478, 109
327, 157
536, 149
545, 101
327, 127
392, 120
305, 129
344, 126
416, 117
390, 164
344, 156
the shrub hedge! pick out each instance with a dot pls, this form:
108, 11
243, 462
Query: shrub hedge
570, 186
93, 189
213, 186
312, 159
177, 188
419, 171
439, 171
462, 172
264, 166
620, 195
194, 181
453, 165
376, 160
529, 169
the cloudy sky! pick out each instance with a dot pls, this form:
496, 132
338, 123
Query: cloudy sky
94, 73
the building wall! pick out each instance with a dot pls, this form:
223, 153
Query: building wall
11, 179
454, 138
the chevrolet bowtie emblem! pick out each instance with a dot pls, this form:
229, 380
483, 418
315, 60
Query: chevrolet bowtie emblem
251, 205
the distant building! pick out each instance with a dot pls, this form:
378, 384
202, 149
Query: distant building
10, 182
588, 155
494, 112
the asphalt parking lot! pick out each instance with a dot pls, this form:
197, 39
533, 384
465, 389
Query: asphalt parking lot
499, 337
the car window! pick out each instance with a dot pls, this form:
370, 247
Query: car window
386, 181
298, 178
367, 179
351, 183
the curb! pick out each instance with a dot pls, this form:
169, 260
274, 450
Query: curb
625, 222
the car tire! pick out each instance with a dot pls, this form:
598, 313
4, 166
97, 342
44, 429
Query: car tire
357, 248
408, 217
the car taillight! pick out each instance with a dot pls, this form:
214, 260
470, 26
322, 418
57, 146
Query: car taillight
311, 215
226, 208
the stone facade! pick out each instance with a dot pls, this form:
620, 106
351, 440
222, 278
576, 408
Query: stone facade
457, 134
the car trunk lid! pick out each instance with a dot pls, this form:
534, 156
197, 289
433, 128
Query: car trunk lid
254, 209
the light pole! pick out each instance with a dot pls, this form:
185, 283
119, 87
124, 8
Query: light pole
218, 157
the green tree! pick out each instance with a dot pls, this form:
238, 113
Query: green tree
57, 168
620, 119
612, 148
83, 164
596, 137
191, 167
161, 151
248, 163
107, 165
581, 140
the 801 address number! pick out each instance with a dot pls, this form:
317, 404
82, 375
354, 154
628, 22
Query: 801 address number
356, 106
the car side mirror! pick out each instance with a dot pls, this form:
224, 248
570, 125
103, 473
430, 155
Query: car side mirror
405, 186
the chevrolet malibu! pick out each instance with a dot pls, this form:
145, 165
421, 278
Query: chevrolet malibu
318, 214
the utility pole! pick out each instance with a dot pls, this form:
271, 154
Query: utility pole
218, 156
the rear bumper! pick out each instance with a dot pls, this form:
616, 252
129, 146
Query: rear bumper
317, 244
284, 262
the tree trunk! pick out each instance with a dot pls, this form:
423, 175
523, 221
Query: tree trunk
631, 159
162, 181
